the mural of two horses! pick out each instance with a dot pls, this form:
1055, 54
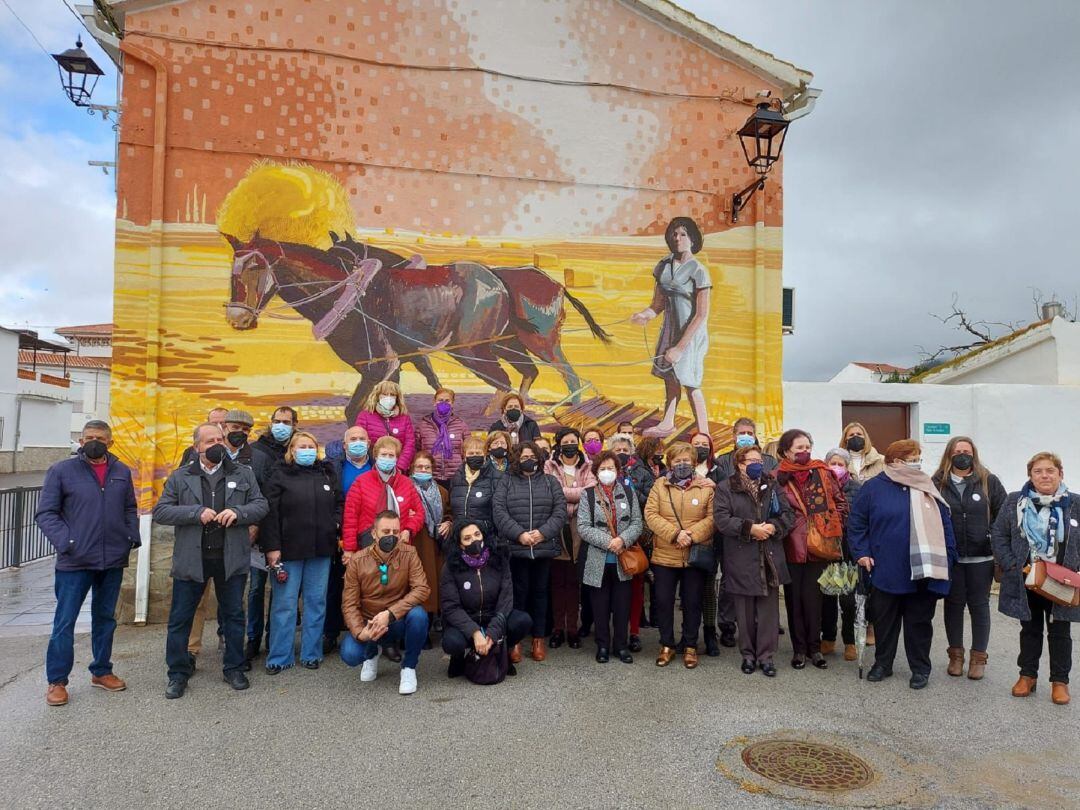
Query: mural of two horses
378, 310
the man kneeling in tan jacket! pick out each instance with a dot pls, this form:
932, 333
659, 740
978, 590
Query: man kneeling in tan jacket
383, 599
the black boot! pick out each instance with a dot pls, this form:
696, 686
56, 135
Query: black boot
727, 635
456, 668
251, 650
712, 647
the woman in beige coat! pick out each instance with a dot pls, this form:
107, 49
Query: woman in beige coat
866, 462
680, 514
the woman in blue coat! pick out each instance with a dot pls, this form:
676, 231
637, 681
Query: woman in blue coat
900, 531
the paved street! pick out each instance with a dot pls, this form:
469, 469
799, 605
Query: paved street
27, 601
565, 733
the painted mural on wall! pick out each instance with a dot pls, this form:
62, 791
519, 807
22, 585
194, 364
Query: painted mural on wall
300, 215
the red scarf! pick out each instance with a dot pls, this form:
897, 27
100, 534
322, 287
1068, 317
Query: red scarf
813, 496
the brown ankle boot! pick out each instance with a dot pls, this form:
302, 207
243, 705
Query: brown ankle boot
689, 659
850, 653
665, 656
515, 654
956, 661
539, 650
977, 665
1059, 693
1024, 686
828, 647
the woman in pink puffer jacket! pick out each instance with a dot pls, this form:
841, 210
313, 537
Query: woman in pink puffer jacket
385, 414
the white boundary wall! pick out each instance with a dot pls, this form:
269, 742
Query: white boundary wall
1009, 423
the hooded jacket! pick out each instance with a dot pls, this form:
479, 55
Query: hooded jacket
693, 509
305, 505
474, 599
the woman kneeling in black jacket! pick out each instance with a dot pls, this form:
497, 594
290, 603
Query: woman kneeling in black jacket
476, 596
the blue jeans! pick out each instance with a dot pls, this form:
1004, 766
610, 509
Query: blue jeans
413, 629
71, 588
256, 605
309, 576
186, 595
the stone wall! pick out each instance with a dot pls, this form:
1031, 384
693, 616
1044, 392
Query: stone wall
161, 548
32, 459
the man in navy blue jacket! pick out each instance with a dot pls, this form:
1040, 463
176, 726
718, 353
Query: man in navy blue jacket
87, 510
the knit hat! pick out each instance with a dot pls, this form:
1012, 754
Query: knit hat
240, 417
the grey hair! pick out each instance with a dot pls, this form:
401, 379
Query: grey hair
620, 437
839, 451
195, 433
97, 424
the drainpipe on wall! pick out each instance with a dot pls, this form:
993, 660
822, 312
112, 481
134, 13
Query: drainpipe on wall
153, 323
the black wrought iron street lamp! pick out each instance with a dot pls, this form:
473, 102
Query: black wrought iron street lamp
79, 74
762, 138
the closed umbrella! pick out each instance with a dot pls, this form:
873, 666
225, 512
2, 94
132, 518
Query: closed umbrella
860, 618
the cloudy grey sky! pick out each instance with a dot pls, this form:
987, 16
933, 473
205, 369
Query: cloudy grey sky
942, 158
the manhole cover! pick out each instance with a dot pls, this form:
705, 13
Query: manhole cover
807, 765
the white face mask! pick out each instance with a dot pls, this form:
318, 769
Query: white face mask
386, 404
914, 465
607, 477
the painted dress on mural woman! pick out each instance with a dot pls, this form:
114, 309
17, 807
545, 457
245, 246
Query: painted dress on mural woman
679, 284
681, 293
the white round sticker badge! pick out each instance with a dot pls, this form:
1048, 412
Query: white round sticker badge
479, 494
975, 496
468, 586
326, 487
694, 501
400, 499
395, 430
1073, 523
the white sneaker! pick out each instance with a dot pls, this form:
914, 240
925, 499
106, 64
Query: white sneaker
408, 681
370, 670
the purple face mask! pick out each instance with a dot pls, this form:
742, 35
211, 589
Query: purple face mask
592, 447
443, 408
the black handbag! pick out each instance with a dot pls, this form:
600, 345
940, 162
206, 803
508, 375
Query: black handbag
702, 555
490, 669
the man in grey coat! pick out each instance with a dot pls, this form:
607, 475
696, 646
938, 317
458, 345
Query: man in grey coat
211, 503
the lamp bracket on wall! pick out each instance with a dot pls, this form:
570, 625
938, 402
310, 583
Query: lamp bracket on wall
740, 199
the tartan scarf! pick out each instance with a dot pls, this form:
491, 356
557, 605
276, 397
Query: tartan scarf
928, 553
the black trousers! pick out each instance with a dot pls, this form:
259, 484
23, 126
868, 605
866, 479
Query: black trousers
587, 617
832, 608
186, 596
802, 602
455, 644
913, 611
691, 583
970, 590
1058, 636
532, 590
611, 605
334, 622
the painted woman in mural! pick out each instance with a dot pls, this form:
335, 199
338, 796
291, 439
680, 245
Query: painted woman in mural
682, 295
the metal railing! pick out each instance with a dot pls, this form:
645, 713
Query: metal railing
21, 541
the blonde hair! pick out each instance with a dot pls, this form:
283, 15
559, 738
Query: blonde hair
676, 449
385, 442
865, 433
290, 452
1045, 455
470, 442
385, 388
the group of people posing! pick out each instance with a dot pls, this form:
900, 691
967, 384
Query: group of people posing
511, 544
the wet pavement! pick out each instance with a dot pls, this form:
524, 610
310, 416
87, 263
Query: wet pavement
27, 601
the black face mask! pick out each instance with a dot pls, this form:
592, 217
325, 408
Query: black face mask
856, 444
702, 453
528, 465
498, 453
569, 450
513, 415
94, 449
215, 453
657, 460
387, 543
237, 438
963, 461
624, 459
474, 548
474, 462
